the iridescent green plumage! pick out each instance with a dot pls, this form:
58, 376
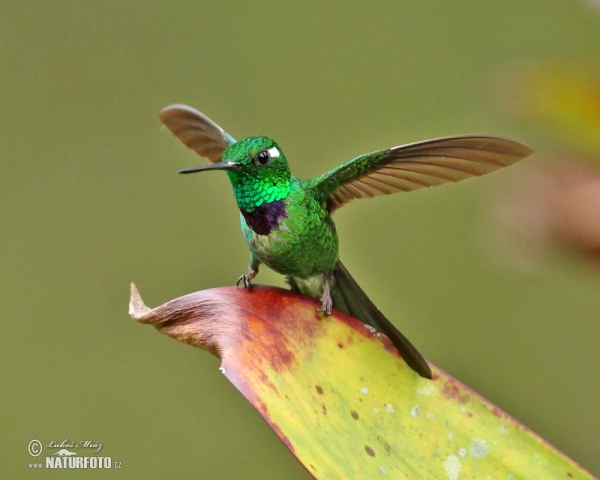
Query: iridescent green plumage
287, 221
254, 186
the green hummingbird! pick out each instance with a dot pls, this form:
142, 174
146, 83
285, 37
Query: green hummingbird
287, 221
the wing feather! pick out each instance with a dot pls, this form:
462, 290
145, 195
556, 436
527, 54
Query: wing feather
377, 185
196, 131
417, 165
421, 178
363, 190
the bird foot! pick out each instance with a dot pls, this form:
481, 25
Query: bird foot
326, 303
247, 279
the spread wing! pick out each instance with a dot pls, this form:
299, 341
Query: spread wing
416, 165
196, 131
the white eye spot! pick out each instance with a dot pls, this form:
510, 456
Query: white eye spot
273, 152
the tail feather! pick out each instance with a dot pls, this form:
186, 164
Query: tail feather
348, 297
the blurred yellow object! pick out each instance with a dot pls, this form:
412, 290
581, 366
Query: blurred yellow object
567, 99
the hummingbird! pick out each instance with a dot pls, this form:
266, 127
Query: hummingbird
287, 222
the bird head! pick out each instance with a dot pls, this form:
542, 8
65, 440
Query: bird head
257, 169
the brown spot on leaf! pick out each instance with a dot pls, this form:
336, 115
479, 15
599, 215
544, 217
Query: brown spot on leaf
320, 390
452, 391
324, 409
264, 379
569, 474
262, 408
389, 346
354, 415
369, 450
340, 345
266, 340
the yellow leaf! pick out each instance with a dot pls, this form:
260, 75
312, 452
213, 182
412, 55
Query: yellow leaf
343, 400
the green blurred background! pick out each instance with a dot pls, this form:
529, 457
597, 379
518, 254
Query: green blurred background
91, 201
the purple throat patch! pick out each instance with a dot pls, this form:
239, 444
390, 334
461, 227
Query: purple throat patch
265, 218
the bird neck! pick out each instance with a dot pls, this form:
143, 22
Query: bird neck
252, 191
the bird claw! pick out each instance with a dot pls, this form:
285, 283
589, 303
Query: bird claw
246, 280
326, 304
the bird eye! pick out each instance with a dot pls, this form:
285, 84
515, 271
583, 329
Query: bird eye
262, 158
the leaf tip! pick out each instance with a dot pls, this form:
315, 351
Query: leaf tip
137, 307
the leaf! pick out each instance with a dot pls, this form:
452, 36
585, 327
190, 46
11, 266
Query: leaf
341, 398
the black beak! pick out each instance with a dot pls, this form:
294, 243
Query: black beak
212, 166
